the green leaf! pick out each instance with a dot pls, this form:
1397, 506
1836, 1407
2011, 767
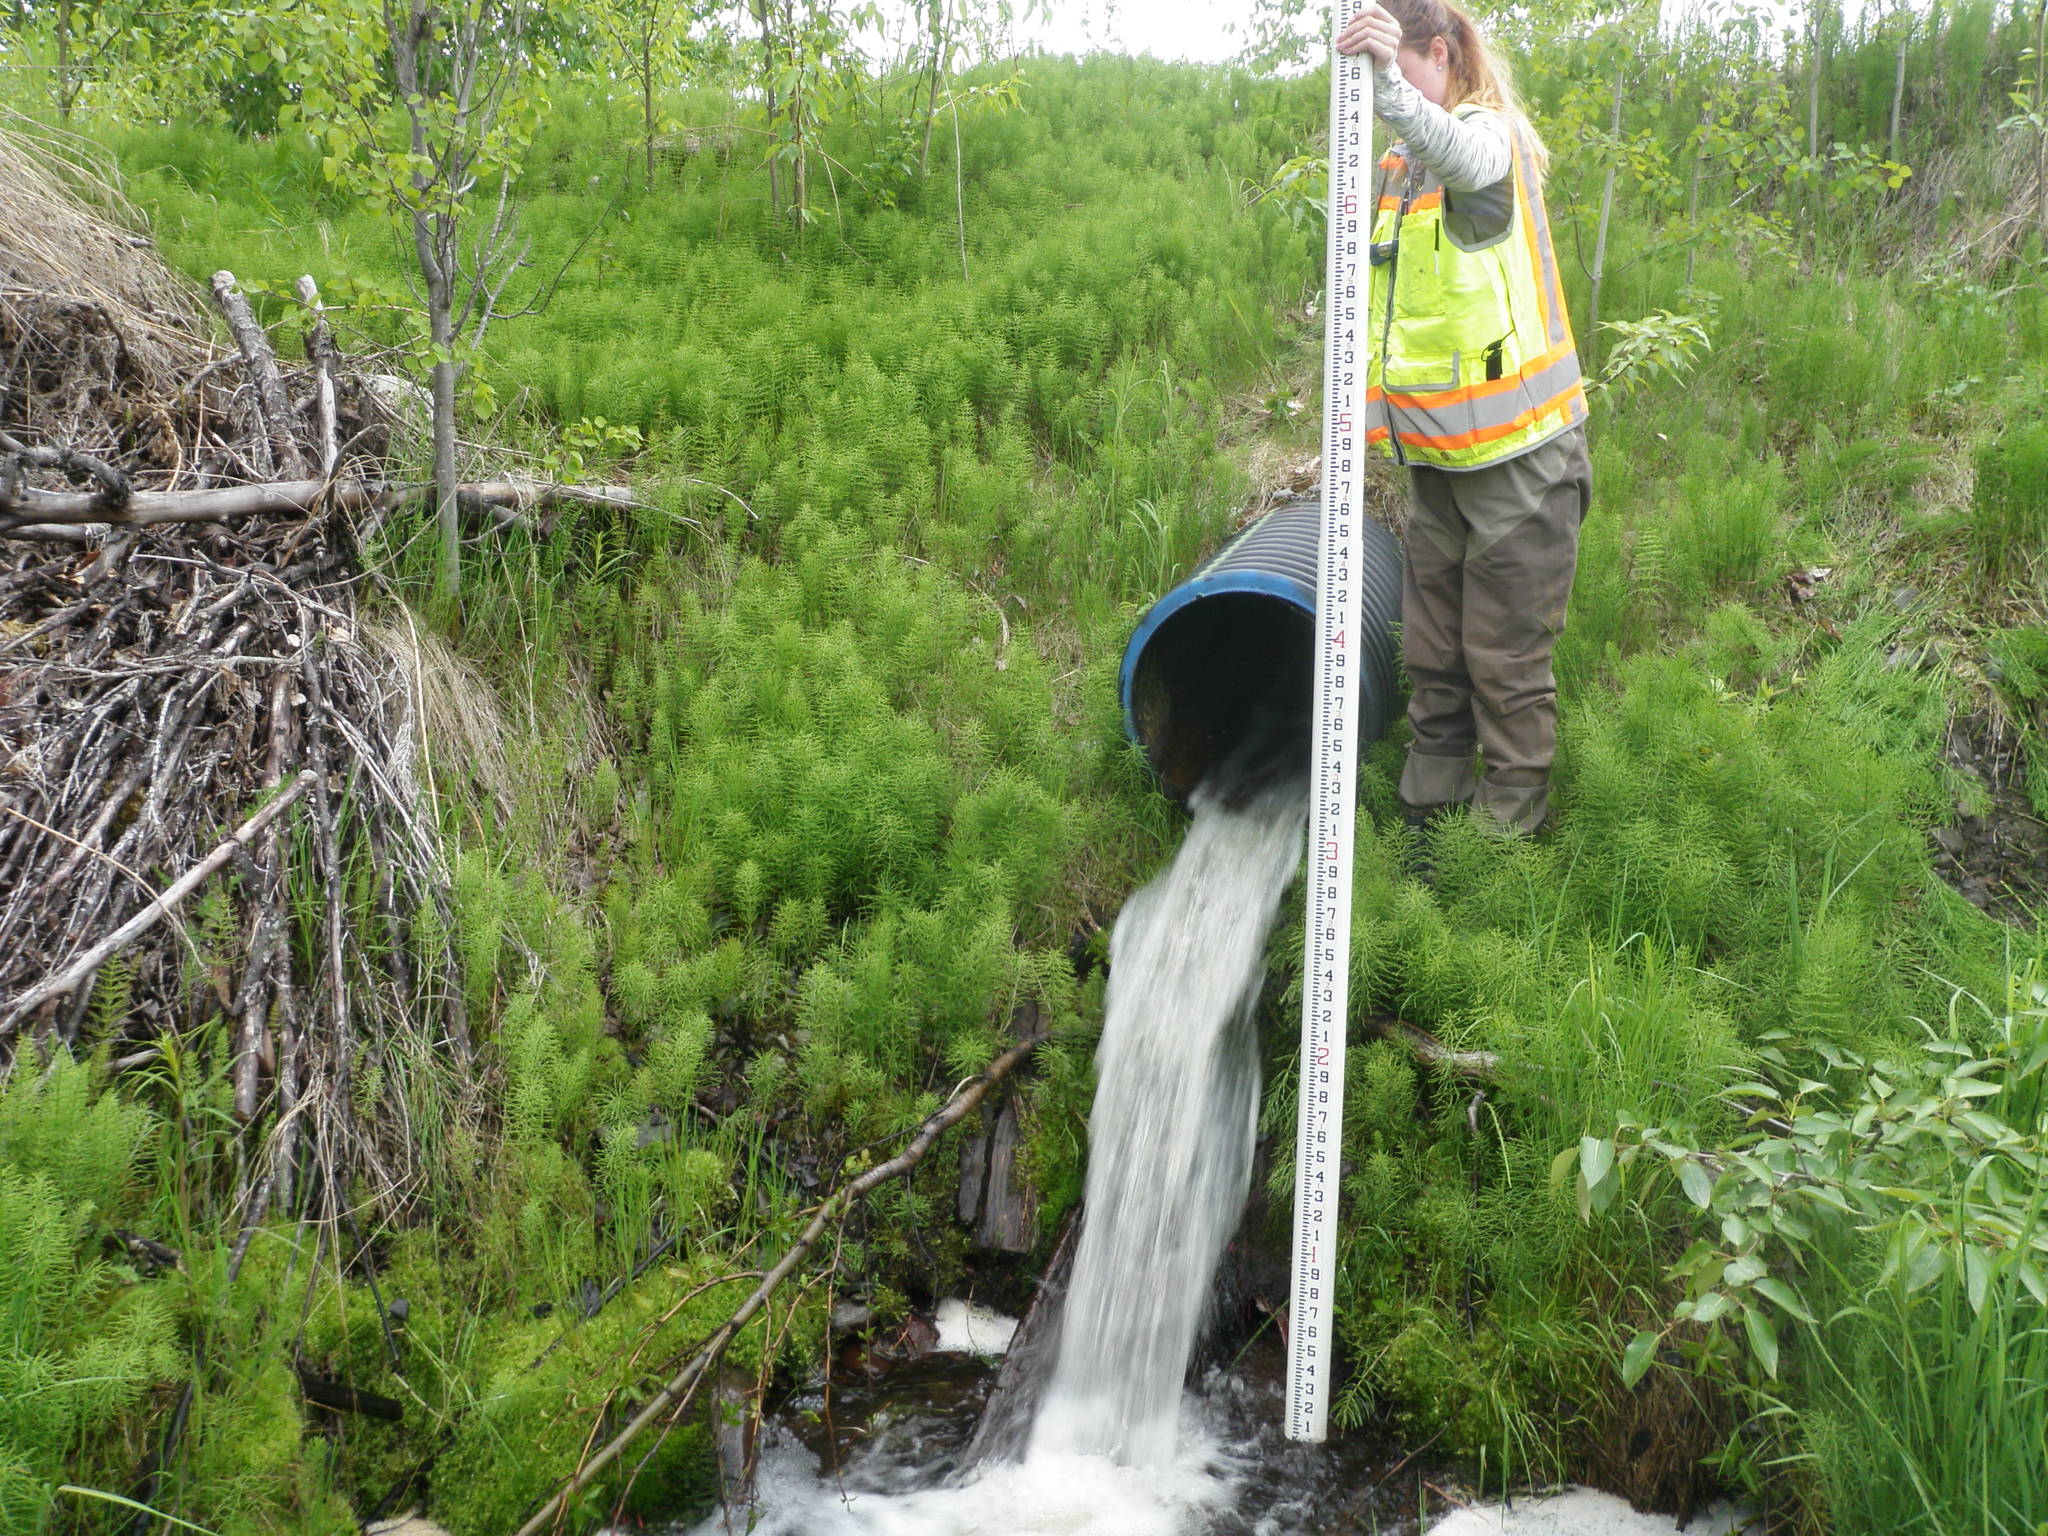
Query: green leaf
1744, 1270
1697, 1183
1596, 1157
1561, 1165
1783, 1294
1600, 1196
1925, 1267
1987, 1126
1713, 1305
1635, 1359
1763, 1339
2032, 1278
1976, 1276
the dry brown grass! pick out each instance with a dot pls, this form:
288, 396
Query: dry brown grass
460, 719
72, 240
1994, 179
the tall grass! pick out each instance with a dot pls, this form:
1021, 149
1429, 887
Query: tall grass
2009, 504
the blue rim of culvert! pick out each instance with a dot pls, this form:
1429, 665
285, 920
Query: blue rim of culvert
1222, 584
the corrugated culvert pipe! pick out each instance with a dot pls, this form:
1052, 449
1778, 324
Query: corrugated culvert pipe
1221, 670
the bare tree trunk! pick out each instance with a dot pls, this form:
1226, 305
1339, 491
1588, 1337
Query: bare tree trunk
434, 247
647, 92
800, 179
1692, 199
453, 65
931, 101
1813, 78
1898, 94
959, 190
2041, 111
64, 59
1606, 216
445, 510
766, 11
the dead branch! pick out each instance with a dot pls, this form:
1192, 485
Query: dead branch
320, 352
28, 512
84, 966
1432, 1052
75, 466
338, 1396
674, 1398
273, 404
82, 534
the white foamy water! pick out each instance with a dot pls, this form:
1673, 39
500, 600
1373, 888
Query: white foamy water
1048, 1494
1169, 1161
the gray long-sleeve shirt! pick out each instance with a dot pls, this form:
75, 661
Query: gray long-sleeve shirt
1466, 153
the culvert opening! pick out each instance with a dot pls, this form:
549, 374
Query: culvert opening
1226, 680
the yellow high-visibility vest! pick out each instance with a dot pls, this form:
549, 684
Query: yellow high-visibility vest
1472, 361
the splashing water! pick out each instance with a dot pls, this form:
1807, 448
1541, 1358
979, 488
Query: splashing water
1170, 1151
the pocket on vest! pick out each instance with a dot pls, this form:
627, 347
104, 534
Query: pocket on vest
1415, 372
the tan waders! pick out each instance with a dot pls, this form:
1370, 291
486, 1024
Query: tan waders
1490, 558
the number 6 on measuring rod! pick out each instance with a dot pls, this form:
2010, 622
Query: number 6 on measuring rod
1327, 974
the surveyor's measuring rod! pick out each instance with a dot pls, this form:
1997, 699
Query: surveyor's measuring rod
1326, 982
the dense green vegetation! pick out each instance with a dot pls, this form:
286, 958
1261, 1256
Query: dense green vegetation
773, 807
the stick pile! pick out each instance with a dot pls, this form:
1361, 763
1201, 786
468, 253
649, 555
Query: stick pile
162, 684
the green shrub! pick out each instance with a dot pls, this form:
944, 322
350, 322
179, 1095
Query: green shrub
1879, 1245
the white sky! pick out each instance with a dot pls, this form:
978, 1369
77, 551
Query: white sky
1199, 30
1166, 29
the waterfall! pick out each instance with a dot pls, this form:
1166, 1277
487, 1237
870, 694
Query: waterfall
1169, 1163
1170, 1138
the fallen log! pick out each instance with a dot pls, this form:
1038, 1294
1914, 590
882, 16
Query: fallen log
1430, 1051
28, 512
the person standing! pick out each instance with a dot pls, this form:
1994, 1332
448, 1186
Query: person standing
1474, 385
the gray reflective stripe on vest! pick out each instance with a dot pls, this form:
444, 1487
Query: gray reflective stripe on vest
1539, 219
1416, 413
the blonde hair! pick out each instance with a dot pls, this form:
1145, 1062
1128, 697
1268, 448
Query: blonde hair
1478, 74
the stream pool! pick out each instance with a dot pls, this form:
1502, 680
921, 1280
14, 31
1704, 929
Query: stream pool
888, 1459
